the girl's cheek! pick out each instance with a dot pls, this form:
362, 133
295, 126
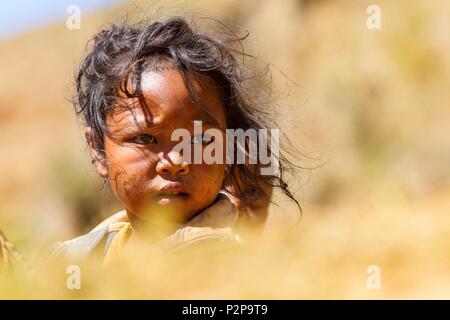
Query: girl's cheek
132, 158
123, 153
213, 174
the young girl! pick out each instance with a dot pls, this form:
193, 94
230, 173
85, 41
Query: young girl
136, 87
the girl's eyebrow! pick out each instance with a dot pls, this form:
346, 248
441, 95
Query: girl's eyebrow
130, 124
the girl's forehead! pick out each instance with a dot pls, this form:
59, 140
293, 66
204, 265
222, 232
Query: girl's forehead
168, 100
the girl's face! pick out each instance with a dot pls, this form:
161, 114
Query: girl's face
144, 172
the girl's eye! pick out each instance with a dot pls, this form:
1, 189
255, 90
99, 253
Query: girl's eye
144, 139
202, 139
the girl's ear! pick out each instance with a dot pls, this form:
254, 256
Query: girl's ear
97, 158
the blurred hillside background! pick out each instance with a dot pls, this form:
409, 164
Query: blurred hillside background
369, 108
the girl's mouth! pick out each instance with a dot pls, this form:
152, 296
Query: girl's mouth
173, 189
171, 193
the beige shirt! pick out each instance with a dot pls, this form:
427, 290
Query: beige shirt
216, 222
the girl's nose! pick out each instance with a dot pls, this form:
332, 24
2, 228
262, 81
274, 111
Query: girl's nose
172, 164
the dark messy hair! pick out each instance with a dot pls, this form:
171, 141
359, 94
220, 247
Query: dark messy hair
121, 53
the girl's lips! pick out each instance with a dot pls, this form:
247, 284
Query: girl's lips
172, 195
172, 189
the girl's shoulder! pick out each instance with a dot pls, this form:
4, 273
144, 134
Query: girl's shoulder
84, 245
214, 223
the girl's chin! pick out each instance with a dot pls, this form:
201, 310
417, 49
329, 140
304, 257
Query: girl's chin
172, 200
164, 208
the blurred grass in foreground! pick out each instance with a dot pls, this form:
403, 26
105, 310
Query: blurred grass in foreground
313, 262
